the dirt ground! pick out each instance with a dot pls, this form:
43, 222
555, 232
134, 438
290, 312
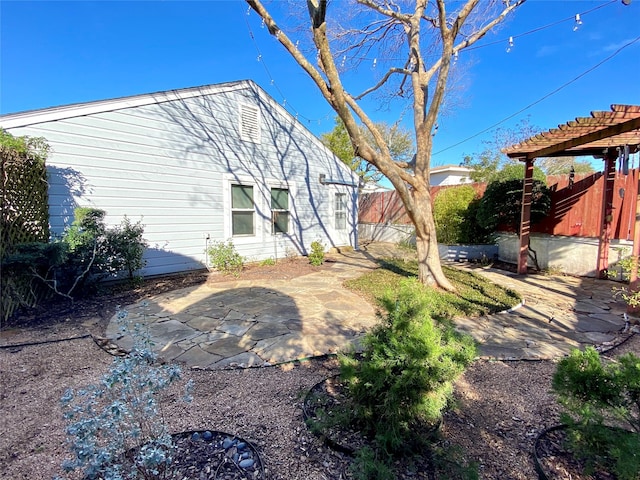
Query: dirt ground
500, 406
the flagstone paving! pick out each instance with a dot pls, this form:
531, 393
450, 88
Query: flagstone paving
245, 323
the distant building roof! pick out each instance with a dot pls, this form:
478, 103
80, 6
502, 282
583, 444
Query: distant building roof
450, 175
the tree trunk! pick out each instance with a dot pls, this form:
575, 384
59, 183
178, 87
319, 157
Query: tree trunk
429, 267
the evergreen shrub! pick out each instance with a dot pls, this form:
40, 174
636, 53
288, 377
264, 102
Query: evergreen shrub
599, 399
403, 380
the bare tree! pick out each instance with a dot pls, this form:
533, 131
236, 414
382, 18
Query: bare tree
424, 38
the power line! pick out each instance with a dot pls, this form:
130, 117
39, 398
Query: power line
553, 92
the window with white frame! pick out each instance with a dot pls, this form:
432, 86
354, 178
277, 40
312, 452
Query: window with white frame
242, 210
279, 210
341, 211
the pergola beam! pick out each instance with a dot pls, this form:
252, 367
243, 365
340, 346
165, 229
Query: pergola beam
607, 132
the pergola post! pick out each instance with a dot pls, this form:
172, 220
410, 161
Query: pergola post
606, 212
634, 283
525, 219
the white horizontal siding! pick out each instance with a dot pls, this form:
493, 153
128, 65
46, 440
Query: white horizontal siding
164, 164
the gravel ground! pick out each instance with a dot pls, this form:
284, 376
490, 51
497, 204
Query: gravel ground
500, 406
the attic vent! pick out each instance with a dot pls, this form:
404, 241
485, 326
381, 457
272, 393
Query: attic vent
250, 123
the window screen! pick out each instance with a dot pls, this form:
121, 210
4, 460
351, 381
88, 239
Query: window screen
242, 210
279, 210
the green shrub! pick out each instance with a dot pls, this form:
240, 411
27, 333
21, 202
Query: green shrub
316, 257
450, 209
126, 246
225, 258
597, 398
87, 252
501, 204
404, 378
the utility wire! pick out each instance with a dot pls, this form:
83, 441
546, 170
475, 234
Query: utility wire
542, 98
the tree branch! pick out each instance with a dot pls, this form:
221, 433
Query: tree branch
381, 83
315, 75
385, 11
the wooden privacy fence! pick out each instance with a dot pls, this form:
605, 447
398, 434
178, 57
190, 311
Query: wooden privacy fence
575, 206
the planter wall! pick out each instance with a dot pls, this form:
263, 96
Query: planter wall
571, 255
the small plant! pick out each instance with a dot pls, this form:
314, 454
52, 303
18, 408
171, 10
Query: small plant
267, 262
598, 398
626, 264
225, 258
404, 378
114, 428
316, 257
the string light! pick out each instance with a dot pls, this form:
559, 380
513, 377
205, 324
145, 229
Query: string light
600, 63
577, 23
344, 60
577, 19
272, 81
455, 57
510, 45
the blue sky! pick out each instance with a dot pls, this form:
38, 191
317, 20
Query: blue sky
60, 52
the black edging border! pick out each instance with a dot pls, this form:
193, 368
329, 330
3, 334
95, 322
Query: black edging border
536, 459
325, 439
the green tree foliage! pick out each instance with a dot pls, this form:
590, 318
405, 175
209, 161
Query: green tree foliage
501, 204
404, 378
339, 142
515, 171
596, 395
454, 211
491, 164
487, 163
563, 165
24, 212
32, 147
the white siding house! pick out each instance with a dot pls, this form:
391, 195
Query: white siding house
198, 165
450, 175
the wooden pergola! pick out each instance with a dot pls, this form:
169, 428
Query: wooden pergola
606, 135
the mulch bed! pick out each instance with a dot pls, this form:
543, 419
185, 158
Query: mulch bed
556, 462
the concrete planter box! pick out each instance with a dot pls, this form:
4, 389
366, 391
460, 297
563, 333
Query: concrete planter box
468, 253
571, 255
